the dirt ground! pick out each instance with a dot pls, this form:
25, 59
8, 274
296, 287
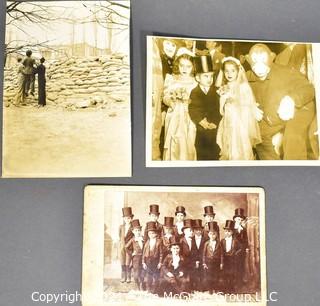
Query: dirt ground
56, 142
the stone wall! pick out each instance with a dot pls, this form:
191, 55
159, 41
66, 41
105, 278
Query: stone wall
79, 82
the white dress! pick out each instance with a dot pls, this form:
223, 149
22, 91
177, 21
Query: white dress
180, 131
238, 131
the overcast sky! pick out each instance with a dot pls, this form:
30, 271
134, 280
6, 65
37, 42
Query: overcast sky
60, 31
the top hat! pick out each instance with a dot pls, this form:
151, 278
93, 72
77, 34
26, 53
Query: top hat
180, 209
208, 210
154, 209
127, 212
203, 64
229, 225
168, 222
187, 223
135, 223
213, 226
239, 212
151, 226
197, 223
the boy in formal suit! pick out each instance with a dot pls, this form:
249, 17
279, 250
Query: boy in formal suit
180, 214
187, 246
174, 272
198, 254
204, 110
125, 234
154, 217
208, 215
230, 251
240, 233
168, 235
212, 261
152, 257
134, 248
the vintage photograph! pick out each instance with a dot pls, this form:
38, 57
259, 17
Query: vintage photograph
66, 91
147, 245
231, 102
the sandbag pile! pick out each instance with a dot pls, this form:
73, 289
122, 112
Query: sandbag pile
80, 82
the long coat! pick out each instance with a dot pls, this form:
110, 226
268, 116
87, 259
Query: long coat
205, 106
124, 239
41, 71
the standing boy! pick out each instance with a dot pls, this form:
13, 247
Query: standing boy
153, 217
208, 215
152, 257
125, 234
198, 254
212, 254
180, 214
134, 249
204, 110
240, 233
230, 251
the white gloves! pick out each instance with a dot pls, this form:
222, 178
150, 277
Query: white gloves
286, 108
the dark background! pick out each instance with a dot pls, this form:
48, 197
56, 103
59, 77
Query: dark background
41, 219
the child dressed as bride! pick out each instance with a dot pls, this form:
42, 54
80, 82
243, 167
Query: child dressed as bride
238, 131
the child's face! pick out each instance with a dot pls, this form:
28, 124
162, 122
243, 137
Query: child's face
208, 218
205, 79
169, 48
175, 250
185, 67
230, 72
189, 43
228, 233
152, 234
198, 231
212, 236
127, 220
238, 220
153, 217
180, 217
168, 230
188, 232
136, 232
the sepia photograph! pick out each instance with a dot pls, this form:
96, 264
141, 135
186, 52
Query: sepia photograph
66, 91
144, 245
222, 102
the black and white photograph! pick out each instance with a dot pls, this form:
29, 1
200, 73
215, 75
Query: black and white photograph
66, 98
147, 245
231, 102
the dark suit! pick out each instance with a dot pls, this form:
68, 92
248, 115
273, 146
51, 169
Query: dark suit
175, 284
229, 261
212, 258
133, 247
198, 272
242, 237
205, 106
41, 71
283, 81
152, 257
124, 238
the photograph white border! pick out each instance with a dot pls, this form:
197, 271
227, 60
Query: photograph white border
222, 163
93, 242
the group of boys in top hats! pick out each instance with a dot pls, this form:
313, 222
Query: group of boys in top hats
183, 256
